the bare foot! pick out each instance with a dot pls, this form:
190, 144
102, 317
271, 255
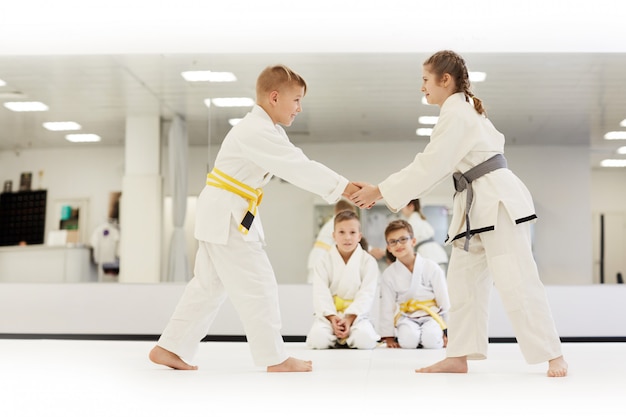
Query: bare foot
162, 356
447, 366
292, 365
557, 367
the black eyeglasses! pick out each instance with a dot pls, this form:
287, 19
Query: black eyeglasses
402, 241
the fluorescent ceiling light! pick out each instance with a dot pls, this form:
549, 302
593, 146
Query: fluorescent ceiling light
477, 76
2, 82
615, 135
623, 123
82, 137
613, 163
622, 150
234, 121
25, 106
210, 76
231, 102
424, 131
428, 120
61, 126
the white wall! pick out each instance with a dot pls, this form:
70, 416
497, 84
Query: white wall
558, 177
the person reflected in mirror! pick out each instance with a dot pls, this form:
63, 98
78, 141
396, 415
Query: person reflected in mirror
345, 285
231, 259
424, 234
490, 230
414, 294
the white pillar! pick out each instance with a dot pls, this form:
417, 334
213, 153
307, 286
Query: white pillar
141, 202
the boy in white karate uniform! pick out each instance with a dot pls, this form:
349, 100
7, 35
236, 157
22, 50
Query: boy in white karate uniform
231, 259
414, 294
345, 284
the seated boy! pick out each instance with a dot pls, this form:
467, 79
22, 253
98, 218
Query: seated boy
345, 283
414, 294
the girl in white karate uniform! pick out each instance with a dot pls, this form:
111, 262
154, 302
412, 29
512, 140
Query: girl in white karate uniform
424, 233
231, 259
345, 283
490, 226
414, 300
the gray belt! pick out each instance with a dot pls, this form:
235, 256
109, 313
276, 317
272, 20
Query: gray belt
463, 181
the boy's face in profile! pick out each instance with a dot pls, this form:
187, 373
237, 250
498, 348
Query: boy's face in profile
400, 243
347, 235
287, 104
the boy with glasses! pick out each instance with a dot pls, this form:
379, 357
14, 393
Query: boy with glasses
414, 295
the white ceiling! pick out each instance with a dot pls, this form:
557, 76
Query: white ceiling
556, 71
552, 99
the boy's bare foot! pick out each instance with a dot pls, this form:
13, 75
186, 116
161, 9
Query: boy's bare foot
292, 365
448, 365
162, 356
557, 367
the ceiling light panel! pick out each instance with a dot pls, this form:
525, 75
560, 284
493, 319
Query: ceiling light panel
209, 76
61, 126
82, 137
25, 106
617, 135
232, 102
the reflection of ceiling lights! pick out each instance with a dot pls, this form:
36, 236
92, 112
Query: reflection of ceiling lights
230, 102
424, 131
208, 76
622, 150
2, 83
617, 135
83, 137
477, 76
428, 120
623, 123
613, 163
61, 126
25, 106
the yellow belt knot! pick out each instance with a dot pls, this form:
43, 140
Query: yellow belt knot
414, 305
341, 304
219, 179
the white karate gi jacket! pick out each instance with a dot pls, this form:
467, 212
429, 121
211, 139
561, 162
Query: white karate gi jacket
460, 140
356, 280
422, 230
253, 151
398, 285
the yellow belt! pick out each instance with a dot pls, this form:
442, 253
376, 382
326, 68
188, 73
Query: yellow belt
413, 305
322, 245
217, 178
340, 304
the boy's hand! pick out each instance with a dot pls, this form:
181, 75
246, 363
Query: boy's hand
351, 188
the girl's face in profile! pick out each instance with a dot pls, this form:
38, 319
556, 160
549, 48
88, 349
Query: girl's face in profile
435, 90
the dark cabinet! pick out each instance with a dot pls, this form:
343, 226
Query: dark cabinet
22, 217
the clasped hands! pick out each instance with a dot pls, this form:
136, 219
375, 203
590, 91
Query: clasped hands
362, 194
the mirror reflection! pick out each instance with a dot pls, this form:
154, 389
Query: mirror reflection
360, 117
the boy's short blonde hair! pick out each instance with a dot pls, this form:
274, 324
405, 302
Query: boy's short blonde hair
345, 215
274, 77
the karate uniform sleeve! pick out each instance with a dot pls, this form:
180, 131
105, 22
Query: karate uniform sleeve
364, 298
323, 303
271, 149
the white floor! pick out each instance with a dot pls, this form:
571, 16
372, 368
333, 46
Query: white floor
114, 378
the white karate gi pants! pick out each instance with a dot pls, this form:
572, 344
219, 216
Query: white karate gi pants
502, 258
243, 271
424, 330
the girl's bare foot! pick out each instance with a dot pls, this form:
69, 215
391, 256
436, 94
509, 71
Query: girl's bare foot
162, 356
557, 367
448, 365
292, 365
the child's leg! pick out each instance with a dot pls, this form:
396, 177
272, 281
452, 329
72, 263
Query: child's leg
248, 277
321, 335
432, 335
517, 280
195, 311
363, 335
409, 333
